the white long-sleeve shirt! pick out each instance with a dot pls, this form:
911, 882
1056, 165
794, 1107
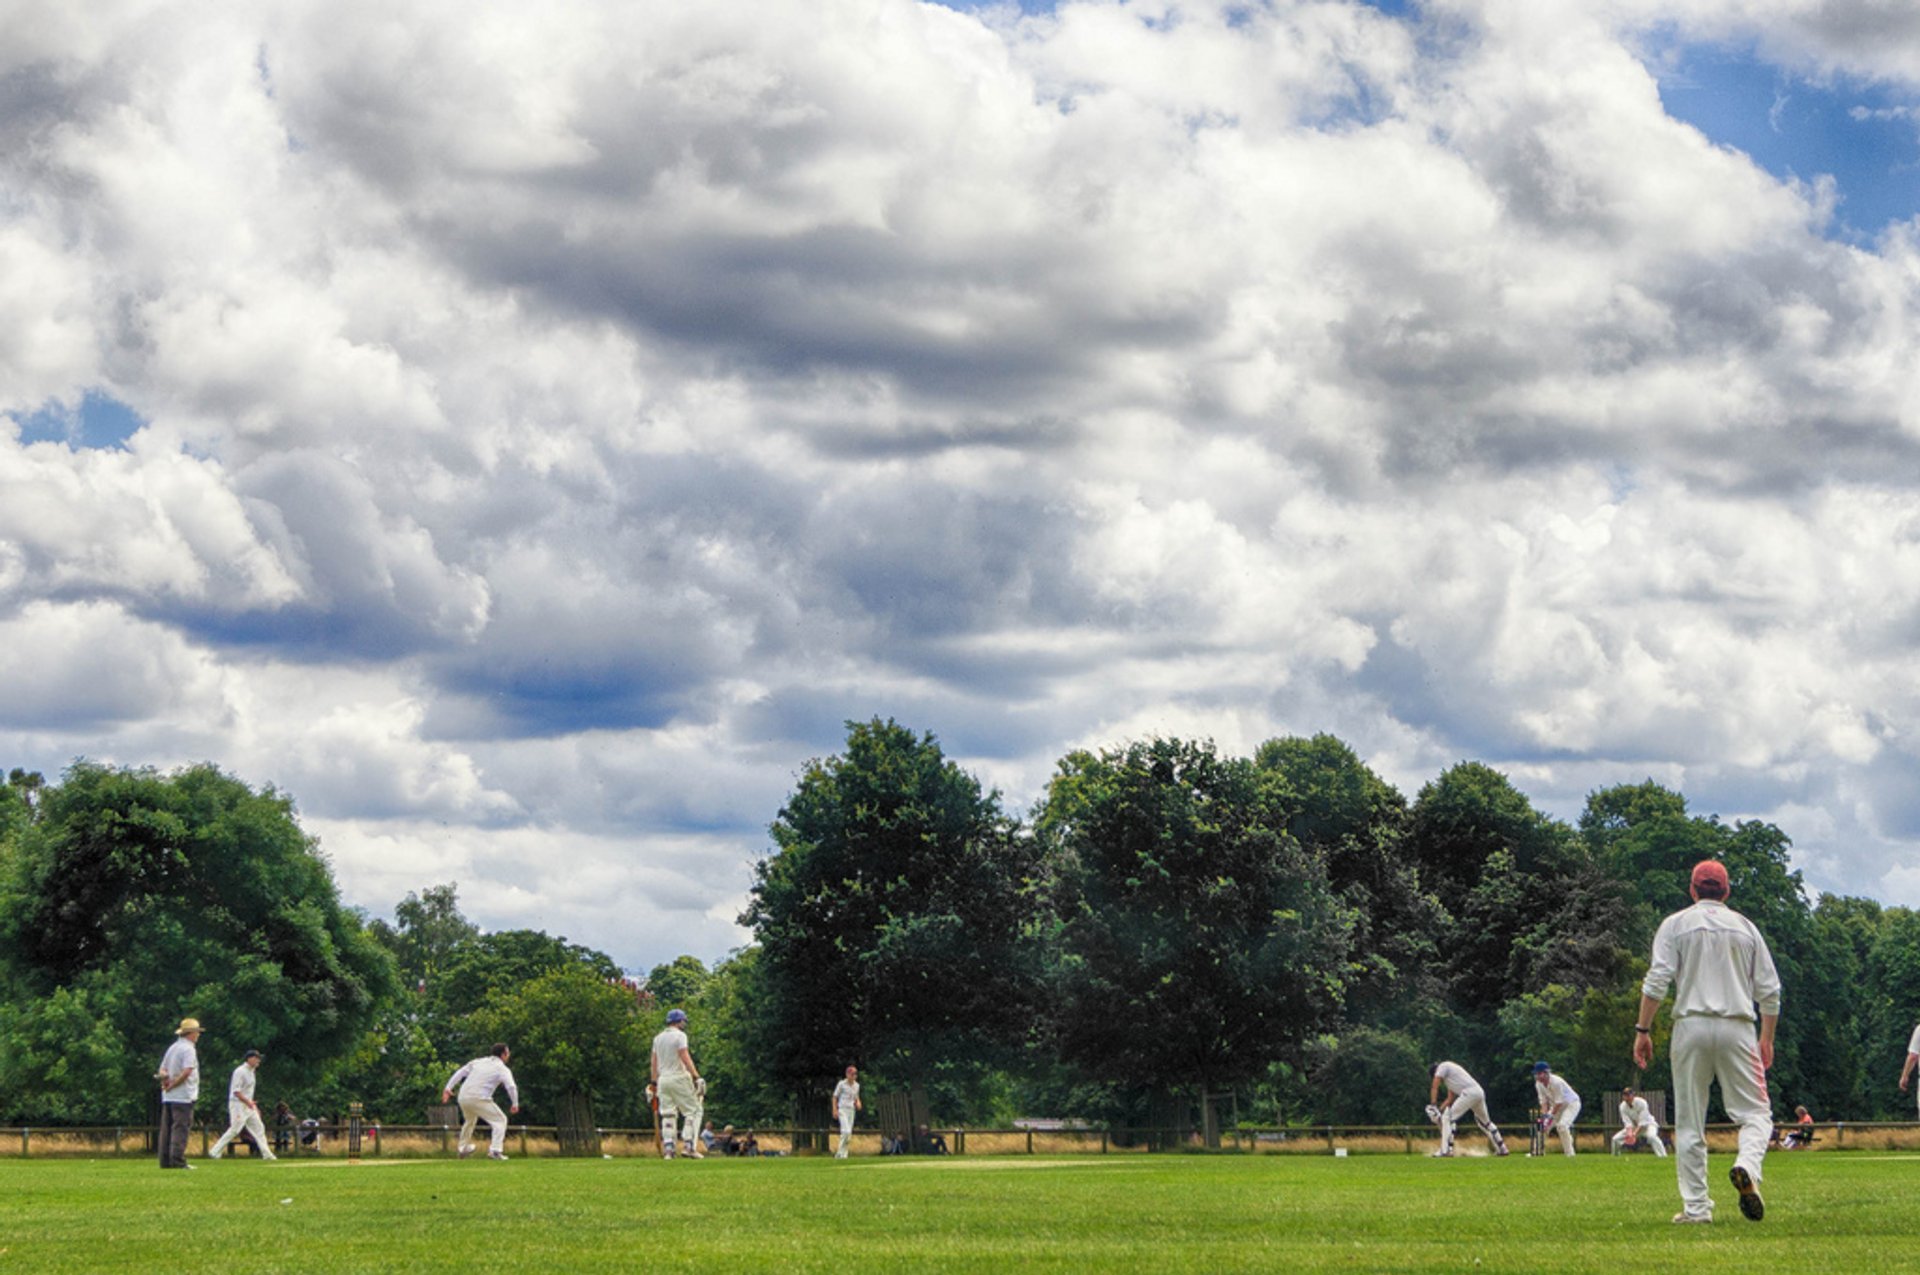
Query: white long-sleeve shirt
1716, 963
1554, 1092
846, 1095
240, 1088
1636, 1114
482, 1077
1455, 1077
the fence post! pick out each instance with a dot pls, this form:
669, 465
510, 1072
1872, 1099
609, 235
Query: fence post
523, 1140
1408, 1130
1329, 1139
1103, 1141
1029, 1142
25, 1145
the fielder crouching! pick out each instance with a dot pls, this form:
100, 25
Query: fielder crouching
478, 1080
1637, 1122
1464, 1095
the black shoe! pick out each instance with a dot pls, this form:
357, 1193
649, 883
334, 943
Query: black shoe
1752, 1207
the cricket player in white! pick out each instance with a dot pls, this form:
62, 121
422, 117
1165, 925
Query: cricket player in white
1464, 1094
1913, 1056
678, 1087
478, 1081
846, 1101
1637, 1122
1720, 971
1559, 1104
243, 1113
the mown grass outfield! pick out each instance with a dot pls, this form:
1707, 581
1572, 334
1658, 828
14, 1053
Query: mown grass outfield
1826, 1212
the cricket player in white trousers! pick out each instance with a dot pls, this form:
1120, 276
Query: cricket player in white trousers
1559, 1104
678, 1088
1464, 1095
846, 1101
1637, 1122
243, 1113
1913, 1056
1721, 972
478, 1081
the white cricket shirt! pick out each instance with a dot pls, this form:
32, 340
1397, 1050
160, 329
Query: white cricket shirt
1555, 1092
241, 1086
666, 1053
846, 1094
1913, 1046
482, 1077
1715, 961
1637, 1115
181, 1055
1455, 1077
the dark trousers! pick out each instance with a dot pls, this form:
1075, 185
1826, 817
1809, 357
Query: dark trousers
176, 1119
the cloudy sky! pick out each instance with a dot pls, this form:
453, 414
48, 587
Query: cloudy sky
525, 433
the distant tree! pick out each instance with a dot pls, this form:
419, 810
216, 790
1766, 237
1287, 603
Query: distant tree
732, 1042
1499, 866
1461, 819
134, 899
678, 982
428, 928
1198, 942
1369, 1076
572, 1033
1356, 824
894, 920
481, 971
1581, 1032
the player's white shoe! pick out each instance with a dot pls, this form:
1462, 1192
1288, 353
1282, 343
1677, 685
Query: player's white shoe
215, 1155
496, 1155
465, 1152
1701, 1219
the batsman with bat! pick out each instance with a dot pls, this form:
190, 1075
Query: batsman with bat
678, 1087
1464, 1094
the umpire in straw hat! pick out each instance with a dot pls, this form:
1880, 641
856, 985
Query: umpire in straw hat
179, 1078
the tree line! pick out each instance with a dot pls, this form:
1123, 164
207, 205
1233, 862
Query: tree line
1168, 921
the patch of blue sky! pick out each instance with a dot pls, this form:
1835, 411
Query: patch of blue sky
1865, 135
1396, 8
100, 422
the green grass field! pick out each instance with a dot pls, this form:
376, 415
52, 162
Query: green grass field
1826, 1212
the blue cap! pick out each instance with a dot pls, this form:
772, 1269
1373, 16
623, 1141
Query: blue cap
676, 1016
1540, 1066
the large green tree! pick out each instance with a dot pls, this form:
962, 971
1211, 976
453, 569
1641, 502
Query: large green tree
134, 898
1198, 942
1356, 824
572, 1032
1499, 866
894, 921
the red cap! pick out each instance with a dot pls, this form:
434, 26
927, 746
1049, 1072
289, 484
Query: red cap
1710, 870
